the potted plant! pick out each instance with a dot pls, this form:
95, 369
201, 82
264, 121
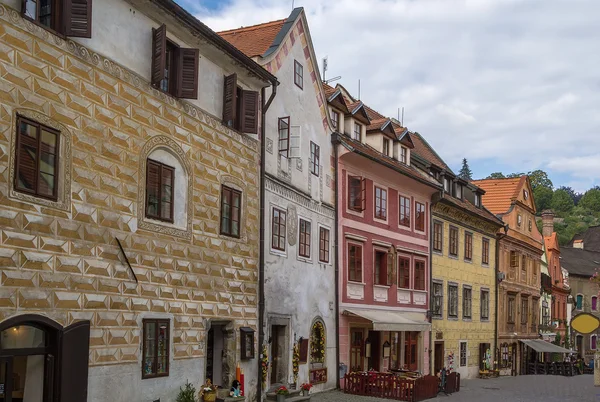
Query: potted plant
282, 392
306, 388
187, 393
208, 393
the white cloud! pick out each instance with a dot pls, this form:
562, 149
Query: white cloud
510, 81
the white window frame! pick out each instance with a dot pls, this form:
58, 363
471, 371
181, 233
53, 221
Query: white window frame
311, 245
466, 353
387, 202
362, 260
319, 226
282, 253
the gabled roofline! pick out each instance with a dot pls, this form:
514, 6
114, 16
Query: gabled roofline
287, 25
432, 150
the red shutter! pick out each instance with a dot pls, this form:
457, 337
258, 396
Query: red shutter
77, 18
229, 100
75, 350
187, 73
249, 122
152, 187
159, 54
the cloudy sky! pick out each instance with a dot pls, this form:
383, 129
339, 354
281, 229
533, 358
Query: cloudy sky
511, 85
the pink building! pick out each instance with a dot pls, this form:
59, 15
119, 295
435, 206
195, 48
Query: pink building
383, 248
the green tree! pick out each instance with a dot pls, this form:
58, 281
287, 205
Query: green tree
514, 175
539, 178
574, 195
465, 172
562, 202
543, 198
591, 200
496, 175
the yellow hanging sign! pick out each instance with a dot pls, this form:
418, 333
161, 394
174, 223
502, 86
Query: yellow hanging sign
585, 323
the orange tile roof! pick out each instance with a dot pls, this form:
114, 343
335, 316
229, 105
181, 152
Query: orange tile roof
550, 241
424, 150
253, 40
329, 90
499, 193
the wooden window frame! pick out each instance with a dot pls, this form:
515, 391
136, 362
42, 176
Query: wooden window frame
463, 358
357, 269
160, 187
438, 236
246, 338
484, 307
467, 309
228, 193
380, 201
386, 147
420, 217
240, 107
380, 268
510, 310
281, 225
468, 246
524, 260
452, 300
404, 273
298, 74
64, 21
422, 276
304, 237
335, 119
324, 244
38, 156
157, 322
514, 259
171, 68
485, 251
404, 206
438, 300
357, 133
362, 191
453, 241
315, 156
524, 310
403, 155
283, 151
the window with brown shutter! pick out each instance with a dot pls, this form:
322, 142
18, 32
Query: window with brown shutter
36, 161
314, 158
453, 243
438, 235
283, 126
324, 245
404, 272
240, 107
155, 348
419, 275
160, 180
231, 201
485, 252
278, 229
354, 262
468, 246
67, 17
356, 193
174, 69
304, 242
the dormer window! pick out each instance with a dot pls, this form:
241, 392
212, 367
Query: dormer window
458, 191
357, 132
447, 185
403, 154
335, 119
478, 200
386, 147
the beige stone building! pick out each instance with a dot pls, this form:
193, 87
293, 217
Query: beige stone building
129, 192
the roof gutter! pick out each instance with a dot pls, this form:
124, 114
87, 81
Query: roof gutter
336, 142
499, 236
435, 198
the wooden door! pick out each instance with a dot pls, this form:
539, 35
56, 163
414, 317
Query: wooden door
356, 350
439, 357
376, 351
275, 352
411, 350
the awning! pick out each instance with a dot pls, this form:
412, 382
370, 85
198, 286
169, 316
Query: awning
544, 347
391, 320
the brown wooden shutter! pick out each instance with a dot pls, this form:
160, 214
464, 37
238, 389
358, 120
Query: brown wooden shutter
303, 351
75, 349
159, 54
77, 18
249, 116
363, 195
187, 73
229, 100
152, 187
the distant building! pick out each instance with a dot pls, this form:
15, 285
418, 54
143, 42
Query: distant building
588, 240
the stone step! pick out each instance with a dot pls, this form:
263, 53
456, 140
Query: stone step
291, 398
272, 396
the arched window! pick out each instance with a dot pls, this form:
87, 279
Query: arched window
318, 344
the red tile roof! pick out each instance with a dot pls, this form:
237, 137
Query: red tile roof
425, 151
253, 40
329, 90
499, 193
482, 212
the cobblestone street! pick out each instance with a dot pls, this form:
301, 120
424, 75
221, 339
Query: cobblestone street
507, 389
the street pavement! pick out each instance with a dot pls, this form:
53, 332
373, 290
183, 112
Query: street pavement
534, 388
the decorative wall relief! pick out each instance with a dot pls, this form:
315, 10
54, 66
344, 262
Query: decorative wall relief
292, 224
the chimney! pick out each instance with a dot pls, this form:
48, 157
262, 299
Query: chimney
547, 222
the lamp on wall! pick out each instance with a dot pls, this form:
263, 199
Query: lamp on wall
386, 349
500, 276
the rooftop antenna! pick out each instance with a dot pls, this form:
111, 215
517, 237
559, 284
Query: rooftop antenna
359, 89
292, 5
333, 79
402, 121
324, 67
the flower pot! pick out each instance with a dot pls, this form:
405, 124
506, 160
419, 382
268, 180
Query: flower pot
280, 398
209, 397
305, 392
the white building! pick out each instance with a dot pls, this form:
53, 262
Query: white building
299, 214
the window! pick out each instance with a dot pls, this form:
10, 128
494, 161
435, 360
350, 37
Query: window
386, 147
420, 216
419, 275
485, 304
283, 126
403, 272
314, 158
155, 362
438, 235
534, 312
335, 119
278, 229
298, 74
525, 194
174, 69
514, 259
404, 211
593, 342
511, 309
52, 14
231, 201
530, 225
453, 300
304, 242
463, 354
381, 277
478, 200
317, 340
594, 303
356, 193
524, 310
579, 302
453, 250
524, 268
467, 302
160, 180
380, 203
504, 353
458, 191
468, 246
485, 251
403, 155
354, 263
324, 245
519, 220
240, 107
357, 132
447, 185
36, 170
438, 299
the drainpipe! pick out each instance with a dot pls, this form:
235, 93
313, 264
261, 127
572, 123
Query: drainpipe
335, 141
430, 310
261, 258
499, 236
